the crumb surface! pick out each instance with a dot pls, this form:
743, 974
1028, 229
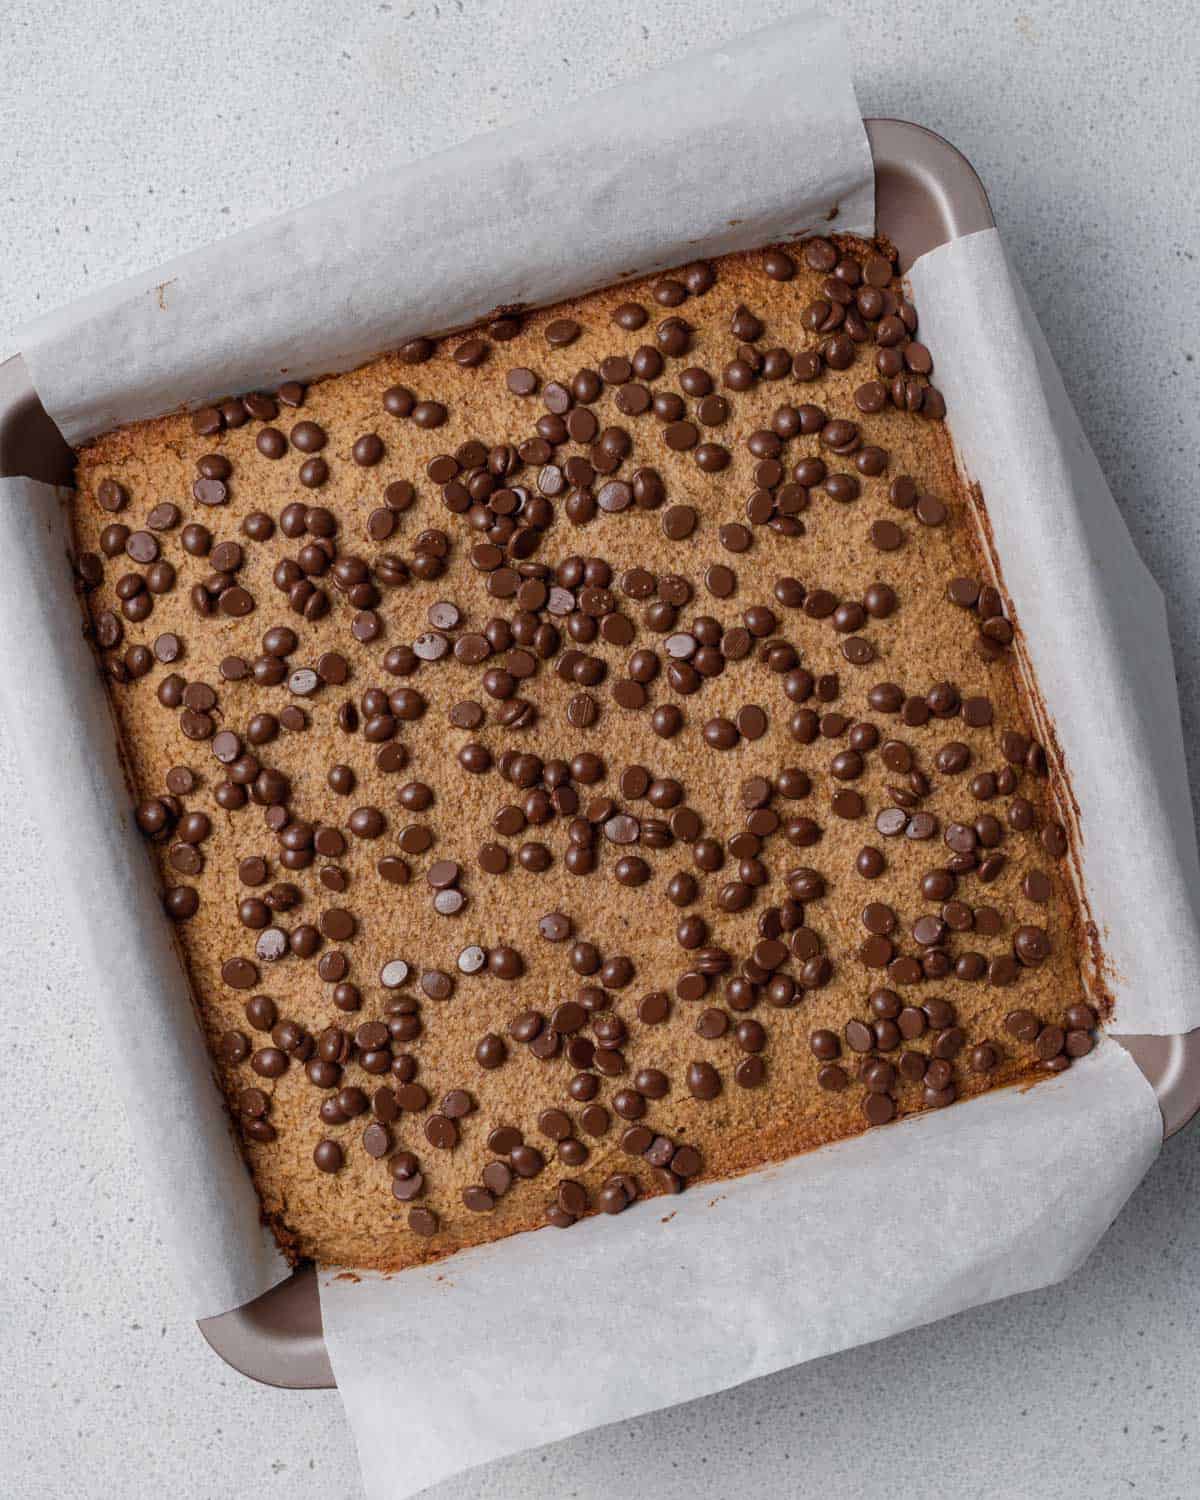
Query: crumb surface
349, 1215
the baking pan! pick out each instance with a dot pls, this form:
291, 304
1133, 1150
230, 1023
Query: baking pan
926, 193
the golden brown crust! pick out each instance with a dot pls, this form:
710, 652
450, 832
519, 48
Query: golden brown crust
350, 1217
1096, 969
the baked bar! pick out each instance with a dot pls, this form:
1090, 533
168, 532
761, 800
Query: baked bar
584, 755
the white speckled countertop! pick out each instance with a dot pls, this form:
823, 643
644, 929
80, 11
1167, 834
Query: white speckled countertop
132, 131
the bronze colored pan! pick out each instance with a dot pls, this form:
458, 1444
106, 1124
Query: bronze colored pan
926, 193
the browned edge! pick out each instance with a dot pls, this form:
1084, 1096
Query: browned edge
926, 193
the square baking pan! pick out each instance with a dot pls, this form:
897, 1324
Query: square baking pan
926, 194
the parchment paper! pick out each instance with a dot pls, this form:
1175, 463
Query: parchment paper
1094, 621
56, 709
531, 1339
756, 141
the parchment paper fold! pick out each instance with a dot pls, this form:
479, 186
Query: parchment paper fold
531, 1339
56, 709
1094, 623
758, 140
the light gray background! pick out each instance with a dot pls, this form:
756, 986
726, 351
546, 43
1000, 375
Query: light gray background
131, 131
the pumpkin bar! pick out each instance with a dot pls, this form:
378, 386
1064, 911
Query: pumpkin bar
586, 755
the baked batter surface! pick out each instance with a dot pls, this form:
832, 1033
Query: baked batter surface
581, 756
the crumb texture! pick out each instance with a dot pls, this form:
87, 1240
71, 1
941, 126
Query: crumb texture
583, 756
